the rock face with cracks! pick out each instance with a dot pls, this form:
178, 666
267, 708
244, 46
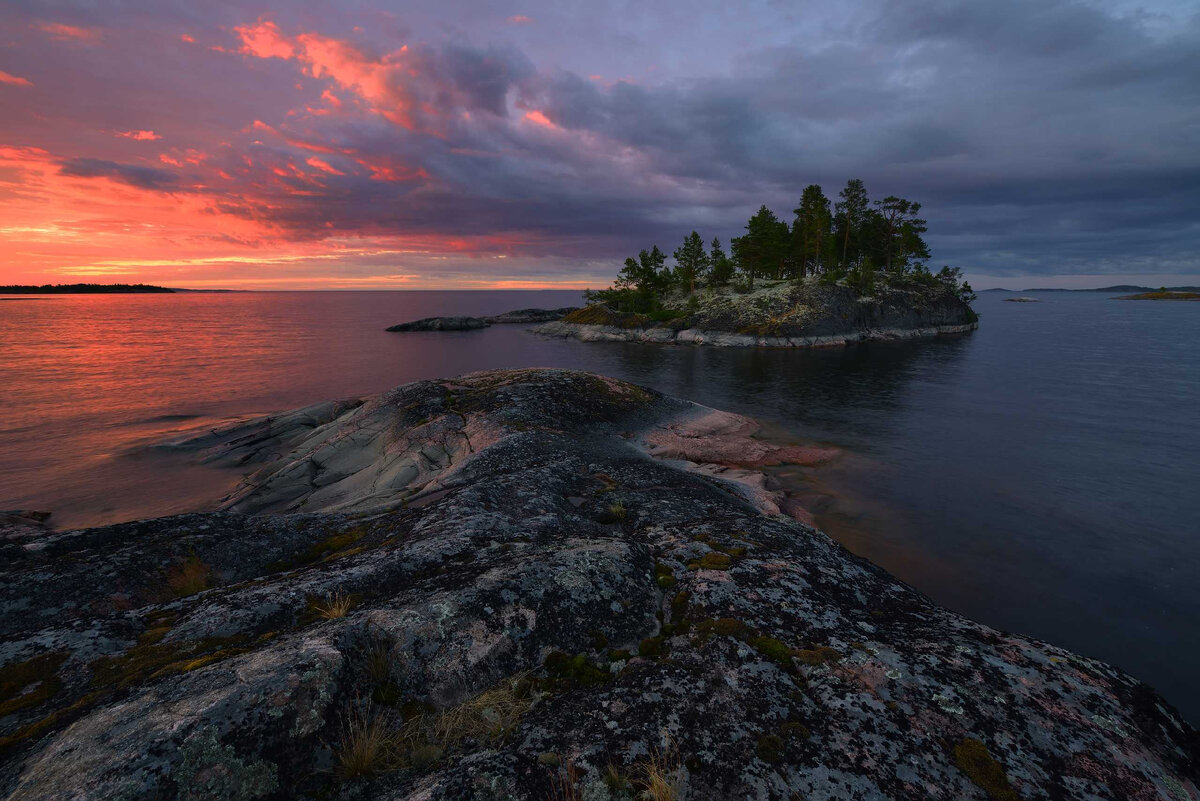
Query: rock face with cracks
489, 587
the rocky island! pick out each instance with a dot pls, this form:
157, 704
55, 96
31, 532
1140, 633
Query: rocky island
528, 584
779, 314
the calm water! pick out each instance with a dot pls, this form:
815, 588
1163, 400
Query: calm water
1039, 475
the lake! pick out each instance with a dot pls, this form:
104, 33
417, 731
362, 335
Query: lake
1039, 475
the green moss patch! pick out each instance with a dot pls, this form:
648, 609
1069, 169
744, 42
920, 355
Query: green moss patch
29, 683
983, 770
337, 546
713, 560
575, 671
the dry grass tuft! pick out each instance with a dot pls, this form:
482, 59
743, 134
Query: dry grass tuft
368, 745
379, 664
659, 775
189, 577
487, 717
564, 786
335, 605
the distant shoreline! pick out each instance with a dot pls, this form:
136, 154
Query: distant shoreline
84, 289
1128, 288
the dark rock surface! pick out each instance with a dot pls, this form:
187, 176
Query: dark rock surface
441, 324
532, 315
471, 323
492, 576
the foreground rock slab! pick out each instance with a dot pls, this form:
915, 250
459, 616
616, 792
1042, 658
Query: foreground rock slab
487, 587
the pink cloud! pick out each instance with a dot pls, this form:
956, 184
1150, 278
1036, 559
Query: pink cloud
141, 136
14, 80
186, 38
263, 39
384, 83
57, 30
538, 118
323, 166
520, 19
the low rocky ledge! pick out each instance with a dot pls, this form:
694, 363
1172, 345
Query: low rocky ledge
518, 316
778, 315
440, 324
529, 584
664, 335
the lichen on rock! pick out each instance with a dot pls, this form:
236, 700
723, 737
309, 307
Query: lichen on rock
502, 611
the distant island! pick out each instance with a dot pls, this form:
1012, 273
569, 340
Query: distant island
1117, 288
1162, 294
852, 274
84, 289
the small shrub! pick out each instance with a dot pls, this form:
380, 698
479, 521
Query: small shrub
652, 647
664, 576
189, 576
770, 748
617, 511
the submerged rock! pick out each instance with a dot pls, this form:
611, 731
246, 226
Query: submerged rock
488, 587
441, 324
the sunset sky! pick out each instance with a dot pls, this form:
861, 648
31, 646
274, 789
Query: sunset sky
458, 144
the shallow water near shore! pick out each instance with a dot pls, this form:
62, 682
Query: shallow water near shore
1038, 475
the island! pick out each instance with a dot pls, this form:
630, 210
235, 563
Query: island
528, 584
83, 289
1162, 294
1022, 299
854, 273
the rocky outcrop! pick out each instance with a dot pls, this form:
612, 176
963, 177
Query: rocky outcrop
781, 315
528, 584
470, 323
526, 316
1021, 300
440, 324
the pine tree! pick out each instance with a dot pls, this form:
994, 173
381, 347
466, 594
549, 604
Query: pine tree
810, 228
691, 261
852, 212
720, 266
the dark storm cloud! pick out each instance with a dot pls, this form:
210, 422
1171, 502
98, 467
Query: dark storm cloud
134, 175
1043, 136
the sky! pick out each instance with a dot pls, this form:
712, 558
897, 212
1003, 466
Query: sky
453, 144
